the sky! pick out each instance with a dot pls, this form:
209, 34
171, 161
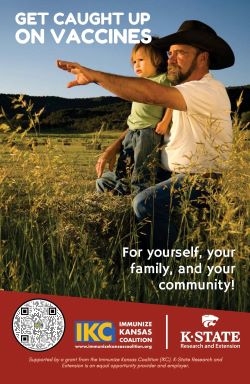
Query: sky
30, 68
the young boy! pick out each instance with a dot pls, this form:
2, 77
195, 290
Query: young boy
146, 123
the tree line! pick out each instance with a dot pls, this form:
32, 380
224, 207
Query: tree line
82, 115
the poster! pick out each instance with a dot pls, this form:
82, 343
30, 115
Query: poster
74, 303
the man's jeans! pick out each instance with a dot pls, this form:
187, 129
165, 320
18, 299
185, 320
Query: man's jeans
140, 154
158, 205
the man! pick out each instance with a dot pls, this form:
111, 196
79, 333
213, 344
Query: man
201, 132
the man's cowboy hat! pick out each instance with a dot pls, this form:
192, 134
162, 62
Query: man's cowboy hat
200, 35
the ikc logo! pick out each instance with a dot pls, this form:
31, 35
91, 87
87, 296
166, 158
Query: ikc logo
94, 331
209, 320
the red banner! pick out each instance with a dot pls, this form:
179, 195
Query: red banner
69, 338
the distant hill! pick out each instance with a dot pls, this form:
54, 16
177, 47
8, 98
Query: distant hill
54, 103
74, 115
89, 114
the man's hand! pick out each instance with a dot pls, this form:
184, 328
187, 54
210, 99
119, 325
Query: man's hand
84, 75
109, 156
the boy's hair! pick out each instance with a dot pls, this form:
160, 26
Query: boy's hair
157, 57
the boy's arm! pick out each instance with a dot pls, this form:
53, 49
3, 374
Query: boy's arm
109, 155
163, 127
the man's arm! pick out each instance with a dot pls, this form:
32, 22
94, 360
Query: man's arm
128, 88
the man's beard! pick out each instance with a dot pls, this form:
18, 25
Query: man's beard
177, 77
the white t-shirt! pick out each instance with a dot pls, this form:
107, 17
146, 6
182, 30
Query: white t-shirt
200, 138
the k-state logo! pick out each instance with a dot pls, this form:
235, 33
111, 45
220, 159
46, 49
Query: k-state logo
94, 331
209, 320
210, 338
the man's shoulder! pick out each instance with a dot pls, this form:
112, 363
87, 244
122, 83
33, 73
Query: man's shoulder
206, 81
207, 85
206, 94
210, 80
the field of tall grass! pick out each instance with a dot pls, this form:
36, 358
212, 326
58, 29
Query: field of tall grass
58, 236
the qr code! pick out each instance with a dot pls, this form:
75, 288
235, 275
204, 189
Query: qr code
38, 325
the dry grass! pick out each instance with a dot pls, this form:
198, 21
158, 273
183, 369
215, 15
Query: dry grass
58, 236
